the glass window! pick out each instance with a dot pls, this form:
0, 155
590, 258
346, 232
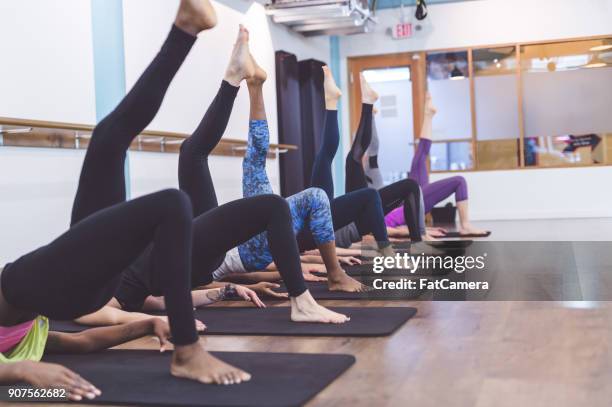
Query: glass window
496, 104
566, 101
448, 84
450, 156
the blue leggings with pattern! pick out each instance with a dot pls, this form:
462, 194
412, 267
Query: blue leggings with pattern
309, 208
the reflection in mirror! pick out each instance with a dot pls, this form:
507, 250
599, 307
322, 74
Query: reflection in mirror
567, 99
393, 120
448, 84
496, 104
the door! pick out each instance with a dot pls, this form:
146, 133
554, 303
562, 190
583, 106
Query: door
399, 80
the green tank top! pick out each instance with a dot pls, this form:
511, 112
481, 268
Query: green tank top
32, 346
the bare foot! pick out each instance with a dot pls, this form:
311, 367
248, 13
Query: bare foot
259, 77
332, 92
430, 109
305, 309
387, 251
195, 16
468, 229
340, 281
428, 238
240, 65
368, 95
194, 363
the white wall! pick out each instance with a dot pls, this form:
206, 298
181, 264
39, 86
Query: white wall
487, 22
37, 187
505, 194
199, 78
46, 71
46, 74
539, 193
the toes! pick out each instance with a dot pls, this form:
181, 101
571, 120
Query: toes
228, 378
236, 377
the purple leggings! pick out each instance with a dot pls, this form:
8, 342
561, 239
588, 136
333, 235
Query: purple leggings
433, 193
437, 191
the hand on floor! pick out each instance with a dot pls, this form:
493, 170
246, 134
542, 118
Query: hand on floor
265, 288
436, 232
308, 276
349, 260
249, 295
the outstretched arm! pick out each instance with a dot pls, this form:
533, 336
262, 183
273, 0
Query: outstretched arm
204, 297
199, 298
95, 339
111, 314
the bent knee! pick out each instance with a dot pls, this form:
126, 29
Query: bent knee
459, 180
317, 195
176, 201
277, 203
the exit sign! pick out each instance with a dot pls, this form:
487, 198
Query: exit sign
402, 30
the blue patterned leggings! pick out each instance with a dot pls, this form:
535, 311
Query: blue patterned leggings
309, 208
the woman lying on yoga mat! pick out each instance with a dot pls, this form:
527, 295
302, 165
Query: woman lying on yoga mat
375, 180
79, 272
436, 192
218, 229
309, 209
392, 196
357, 213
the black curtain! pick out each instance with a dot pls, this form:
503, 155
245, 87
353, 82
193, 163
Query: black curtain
289, 122
301, 109
313, 109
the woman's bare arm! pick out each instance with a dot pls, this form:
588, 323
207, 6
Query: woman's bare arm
311, 258
110, 315
94, 339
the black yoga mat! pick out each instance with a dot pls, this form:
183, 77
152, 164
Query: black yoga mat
446, 247
275, 321
320, 291
457, 234
365, 270
140, 377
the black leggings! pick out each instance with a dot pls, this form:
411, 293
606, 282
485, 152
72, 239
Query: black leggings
79, 272
362, 206
404, 192
355, 174
218, 229
408, 193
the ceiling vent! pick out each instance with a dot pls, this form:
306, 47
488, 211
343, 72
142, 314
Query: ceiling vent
322, 17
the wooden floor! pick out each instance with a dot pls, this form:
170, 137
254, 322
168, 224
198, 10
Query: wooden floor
472, 354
